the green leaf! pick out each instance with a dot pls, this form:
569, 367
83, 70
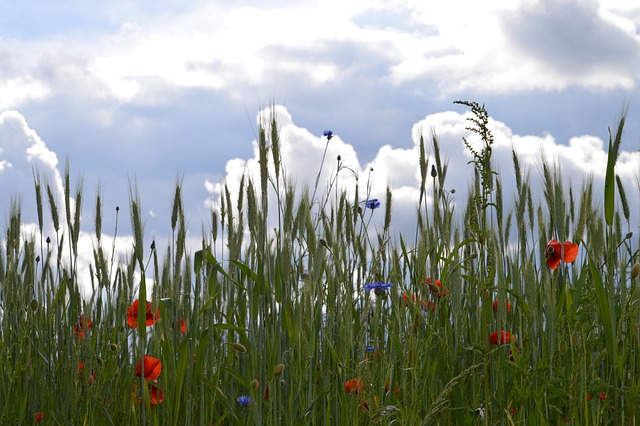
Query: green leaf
605, 315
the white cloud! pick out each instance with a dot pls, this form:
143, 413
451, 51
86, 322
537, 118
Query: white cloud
497, 47
16, 91
302, 152
23, 153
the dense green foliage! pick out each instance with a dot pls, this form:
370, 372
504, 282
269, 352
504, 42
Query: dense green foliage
276, 307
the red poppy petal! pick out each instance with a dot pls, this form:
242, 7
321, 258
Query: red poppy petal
494, 338
570, 251
553, 262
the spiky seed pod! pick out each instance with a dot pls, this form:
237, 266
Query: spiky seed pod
214, 225
387, 211
98, 222
623, 199
275, 143
54, 209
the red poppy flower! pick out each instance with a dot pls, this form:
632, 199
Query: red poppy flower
405, 298
80, 326
507, 306
81, 370
602, 396
505, 337
40, 416
425, 305
355, 385
155, 395
386, 388
556, 252
152, 368
132, 315
436, 288
266, 393
183, 325
513, 351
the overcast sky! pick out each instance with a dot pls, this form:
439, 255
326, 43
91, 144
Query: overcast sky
149, 92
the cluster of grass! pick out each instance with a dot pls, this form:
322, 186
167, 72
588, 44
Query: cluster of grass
281, 329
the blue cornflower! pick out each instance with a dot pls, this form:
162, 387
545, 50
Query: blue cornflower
378, 286
369, 348
372, 203
328, 134
244, 400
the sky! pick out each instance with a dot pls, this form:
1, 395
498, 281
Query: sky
149, 93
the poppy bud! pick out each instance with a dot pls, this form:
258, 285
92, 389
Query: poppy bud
278, 370
339, 158
113, 347
282, 382
90, 380
48, 240
628, 236
575, 339
255, 383
323, 242
562, 347
635, 270
434, 173
239, 347
34, 305
453, 191
433, 287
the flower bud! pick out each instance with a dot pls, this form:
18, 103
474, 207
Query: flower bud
635, 270
278, 370
562, 347
433, 287
34, 305
113, 347
575, 338
255, 383
90, 380
239, 347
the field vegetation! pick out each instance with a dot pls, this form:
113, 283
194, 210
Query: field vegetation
304, 313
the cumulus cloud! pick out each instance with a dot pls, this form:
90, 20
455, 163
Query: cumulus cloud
575, 41
582, 158
23, 153
24, 159
496, 47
